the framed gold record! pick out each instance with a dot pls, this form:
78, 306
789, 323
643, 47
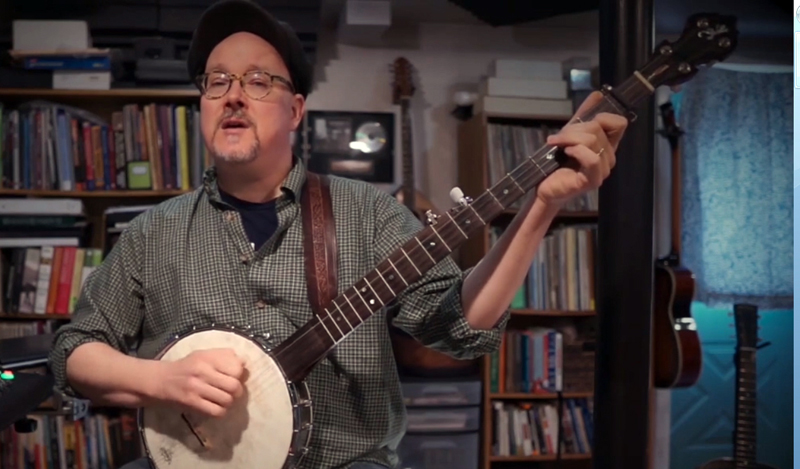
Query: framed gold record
356, 145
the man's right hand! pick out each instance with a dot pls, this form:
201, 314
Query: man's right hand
206, 381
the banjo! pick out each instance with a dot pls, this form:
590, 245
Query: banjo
270, 425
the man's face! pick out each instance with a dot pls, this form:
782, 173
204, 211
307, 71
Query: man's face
236, 127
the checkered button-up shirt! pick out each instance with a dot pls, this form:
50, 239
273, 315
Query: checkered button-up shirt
188, 262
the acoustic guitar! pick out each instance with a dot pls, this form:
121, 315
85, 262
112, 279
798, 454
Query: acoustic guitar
744, 427
270, 426
677, 354
402, 91
412, 357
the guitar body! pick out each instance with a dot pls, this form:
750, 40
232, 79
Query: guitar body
677, 352
729, 463
412, 357
269, 427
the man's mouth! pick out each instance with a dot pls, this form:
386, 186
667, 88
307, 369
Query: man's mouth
234, 124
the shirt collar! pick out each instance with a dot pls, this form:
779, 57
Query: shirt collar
291, 186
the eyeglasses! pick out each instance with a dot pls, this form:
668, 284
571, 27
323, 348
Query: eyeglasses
255, 84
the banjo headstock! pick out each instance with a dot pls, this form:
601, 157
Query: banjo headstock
707, 38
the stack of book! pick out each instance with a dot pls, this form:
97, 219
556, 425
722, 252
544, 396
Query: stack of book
42, 265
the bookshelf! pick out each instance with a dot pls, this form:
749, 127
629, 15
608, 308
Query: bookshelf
103, 104
481, 141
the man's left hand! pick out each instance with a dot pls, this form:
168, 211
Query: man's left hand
593, 145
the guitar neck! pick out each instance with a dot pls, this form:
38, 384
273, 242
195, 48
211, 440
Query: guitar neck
744, 438
408, 158
676, 197
410, 261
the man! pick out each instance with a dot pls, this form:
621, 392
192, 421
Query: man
231, 252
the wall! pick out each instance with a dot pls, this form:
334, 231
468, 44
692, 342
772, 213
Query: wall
447, 57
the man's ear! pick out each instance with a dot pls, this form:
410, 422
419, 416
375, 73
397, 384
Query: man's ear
298, 110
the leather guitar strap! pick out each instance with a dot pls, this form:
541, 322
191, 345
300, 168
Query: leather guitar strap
319, 242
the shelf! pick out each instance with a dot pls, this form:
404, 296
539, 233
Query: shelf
542, 457
541, 396
559, 313
90, 194
564, 216
138, 93
34, 317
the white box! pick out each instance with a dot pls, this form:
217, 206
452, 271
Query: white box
49, 35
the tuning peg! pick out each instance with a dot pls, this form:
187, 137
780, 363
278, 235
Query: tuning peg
457, 196
431, 217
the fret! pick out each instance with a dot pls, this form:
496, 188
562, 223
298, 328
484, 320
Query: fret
366, 280
386, 283
335, 323
443, 241
502, 207
745, 417
515, 183
398, 273
321, 321
539, 167
362, 299
343, 315
476, 213
411, 262
351, 304
425, 250
456, 225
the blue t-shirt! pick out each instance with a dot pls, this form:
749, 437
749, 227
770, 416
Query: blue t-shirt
260, 220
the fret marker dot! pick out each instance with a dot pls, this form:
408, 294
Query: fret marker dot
372, 302
505, 192
363, 289
433, 244
391, 277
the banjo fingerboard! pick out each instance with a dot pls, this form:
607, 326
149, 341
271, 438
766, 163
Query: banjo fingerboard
409, 262
707, 38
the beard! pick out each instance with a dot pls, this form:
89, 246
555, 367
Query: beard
241, 155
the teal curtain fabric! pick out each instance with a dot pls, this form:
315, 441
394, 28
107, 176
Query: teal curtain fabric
737, 186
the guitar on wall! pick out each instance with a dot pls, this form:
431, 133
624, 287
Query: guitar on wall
411, 356
744, 426
277, 401
402, 91
677, 354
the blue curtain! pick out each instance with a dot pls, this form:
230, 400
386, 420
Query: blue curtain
737, 186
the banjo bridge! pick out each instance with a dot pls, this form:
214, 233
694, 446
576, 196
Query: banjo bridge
203, 441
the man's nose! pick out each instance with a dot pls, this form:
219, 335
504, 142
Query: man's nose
235, 95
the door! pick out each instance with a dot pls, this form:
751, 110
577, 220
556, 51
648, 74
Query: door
702, 416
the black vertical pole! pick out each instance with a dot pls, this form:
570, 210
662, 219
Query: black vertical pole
625, 254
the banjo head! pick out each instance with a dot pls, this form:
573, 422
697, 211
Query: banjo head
267, 427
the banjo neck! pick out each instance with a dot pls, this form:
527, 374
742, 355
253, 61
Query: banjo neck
408, 263
706, 38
